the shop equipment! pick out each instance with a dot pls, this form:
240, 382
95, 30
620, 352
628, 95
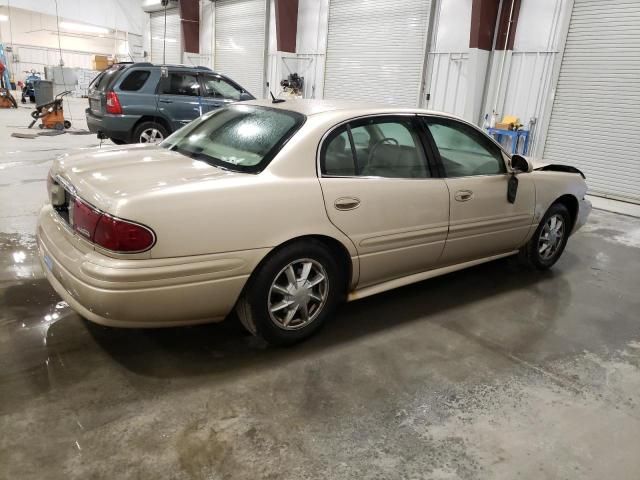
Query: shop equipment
51, 114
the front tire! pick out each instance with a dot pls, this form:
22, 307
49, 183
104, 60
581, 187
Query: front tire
292, 293
549, 240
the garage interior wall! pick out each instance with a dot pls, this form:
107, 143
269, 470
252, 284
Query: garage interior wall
311, 44
240, 46
166, 37
34, 37
376, 50
594, 119
528, 68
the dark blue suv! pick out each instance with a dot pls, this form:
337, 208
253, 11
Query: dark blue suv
144, 103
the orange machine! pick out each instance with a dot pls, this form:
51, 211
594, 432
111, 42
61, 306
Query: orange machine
51, 114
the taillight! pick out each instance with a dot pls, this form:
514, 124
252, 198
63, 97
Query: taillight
121, 236
113, 103
84, 218
108, 231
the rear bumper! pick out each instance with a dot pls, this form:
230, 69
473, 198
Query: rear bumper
584, 209
113, 126
141, 292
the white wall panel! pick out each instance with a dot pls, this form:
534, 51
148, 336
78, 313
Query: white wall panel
240, 46
449, 78
376, 50
166, 37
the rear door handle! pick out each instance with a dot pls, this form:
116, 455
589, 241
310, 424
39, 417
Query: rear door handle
166, 101
463, 195
346, 203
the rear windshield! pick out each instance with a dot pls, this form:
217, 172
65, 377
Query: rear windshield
103, 80
243, 138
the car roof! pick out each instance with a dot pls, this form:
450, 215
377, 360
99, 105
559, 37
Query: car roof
310, 107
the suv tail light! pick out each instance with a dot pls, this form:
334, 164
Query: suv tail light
109, 232
113, 103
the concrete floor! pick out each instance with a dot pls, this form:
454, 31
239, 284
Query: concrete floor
489, 373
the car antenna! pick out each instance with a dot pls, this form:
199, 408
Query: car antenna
274, 99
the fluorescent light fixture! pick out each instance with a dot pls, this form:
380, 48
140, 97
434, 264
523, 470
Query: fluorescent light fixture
150, 3
83, 28
168, 40
4, 18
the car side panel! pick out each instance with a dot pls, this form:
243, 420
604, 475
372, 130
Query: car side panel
552, 185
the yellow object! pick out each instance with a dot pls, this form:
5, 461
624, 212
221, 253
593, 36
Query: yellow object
510, 119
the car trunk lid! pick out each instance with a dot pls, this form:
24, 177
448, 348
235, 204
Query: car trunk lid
109, 177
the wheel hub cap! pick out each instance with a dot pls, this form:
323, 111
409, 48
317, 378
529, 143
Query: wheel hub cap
298, 294
551, 237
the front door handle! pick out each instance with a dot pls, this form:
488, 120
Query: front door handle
463, 195
347, 203
166, 101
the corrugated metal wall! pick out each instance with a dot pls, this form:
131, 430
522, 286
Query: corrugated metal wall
240, 42
594, 121
376, 50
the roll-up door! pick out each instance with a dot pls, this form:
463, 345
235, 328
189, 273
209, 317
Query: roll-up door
376, 50
240, 42
172, 44
595, 118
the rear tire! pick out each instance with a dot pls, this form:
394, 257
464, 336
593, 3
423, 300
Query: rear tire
150, 132
549, 240
292, 294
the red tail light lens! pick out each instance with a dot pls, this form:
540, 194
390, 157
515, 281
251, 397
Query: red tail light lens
122, 236
84, 218
113, 103
107, 231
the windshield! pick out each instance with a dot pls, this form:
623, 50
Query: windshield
240, 137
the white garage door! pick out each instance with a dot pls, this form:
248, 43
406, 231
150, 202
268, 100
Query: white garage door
240, 42
595, 118
376, 50
166, 50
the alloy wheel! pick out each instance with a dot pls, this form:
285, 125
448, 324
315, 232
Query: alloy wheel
551, 237
298, 294
151, 135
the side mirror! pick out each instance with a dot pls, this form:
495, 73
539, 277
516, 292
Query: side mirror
245, 96
519, 164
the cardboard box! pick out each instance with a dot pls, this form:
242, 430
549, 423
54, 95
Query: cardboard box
101, 62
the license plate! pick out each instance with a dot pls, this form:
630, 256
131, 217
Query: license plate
48, 262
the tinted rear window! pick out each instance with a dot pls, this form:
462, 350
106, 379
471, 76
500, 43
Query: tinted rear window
135, 80
243, 138
104, 79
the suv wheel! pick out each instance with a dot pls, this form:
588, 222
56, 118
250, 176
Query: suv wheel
150, 132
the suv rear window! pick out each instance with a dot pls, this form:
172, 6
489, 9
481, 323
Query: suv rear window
135, 80
103, 80
243, 138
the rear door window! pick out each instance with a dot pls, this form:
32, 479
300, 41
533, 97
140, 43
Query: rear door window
181, 84
135, 80
219, 88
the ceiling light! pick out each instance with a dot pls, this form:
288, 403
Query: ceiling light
83, 28
149, 3
4, 18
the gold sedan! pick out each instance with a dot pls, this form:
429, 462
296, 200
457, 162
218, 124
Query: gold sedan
283, 210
